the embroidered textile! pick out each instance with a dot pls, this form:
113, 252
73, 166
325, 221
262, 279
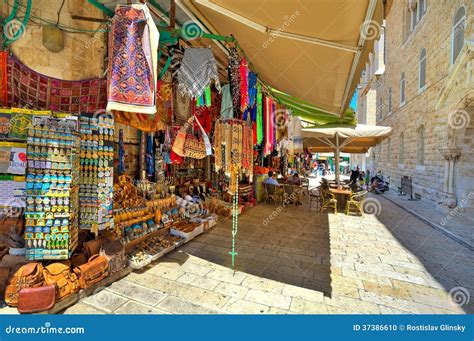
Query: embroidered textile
133, 60
233, 70
182, 108
28, 88
198, 69
143, 122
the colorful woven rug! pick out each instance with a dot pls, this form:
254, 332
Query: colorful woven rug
133, 60
30, 89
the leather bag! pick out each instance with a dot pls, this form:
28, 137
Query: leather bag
92, 247
28, 276
115, 254
96, 269
35, 300
63, 278
4, 276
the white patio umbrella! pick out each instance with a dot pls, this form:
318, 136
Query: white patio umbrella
356, 140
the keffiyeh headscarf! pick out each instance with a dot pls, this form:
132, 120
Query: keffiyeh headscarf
198, 69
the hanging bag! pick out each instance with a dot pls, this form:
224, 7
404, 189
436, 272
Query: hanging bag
196, 148
178, 145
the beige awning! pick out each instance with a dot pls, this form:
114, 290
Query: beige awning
356, 140
313, 50
349, 140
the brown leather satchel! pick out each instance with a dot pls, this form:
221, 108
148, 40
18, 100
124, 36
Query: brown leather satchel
28, 276
96, 269
35, 300
115, 254
63, 278
4, 275
92, 247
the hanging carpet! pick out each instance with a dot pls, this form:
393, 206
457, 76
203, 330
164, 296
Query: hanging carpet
133, 60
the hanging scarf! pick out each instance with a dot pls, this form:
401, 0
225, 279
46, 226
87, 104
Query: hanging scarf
268, 142
233, 71
182, 108
244, 85
198, 69
133, 60
226, 105
259, 125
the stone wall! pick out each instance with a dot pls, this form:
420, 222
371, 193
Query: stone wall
445, 89
83, 54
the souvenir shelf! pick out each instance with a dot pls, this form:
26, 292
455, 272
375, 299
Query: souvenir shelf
96, 178
52, 192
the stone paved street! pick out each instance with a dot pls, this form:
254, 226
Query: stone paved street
303, 262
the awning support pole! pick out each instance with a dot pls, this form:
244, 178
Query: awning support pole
338, 180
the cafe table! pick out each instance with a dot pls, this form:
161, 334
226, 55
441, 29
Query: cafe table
342, 195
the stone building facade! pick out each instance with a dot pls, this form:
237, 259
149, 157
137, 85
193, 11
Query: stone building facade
427, 97
368, 93
83, 53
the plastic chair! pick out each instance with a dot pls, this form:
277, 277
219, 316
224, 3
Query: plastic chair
356, 201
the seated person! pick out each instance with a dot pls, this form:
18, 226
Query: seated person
294, 180
271, 179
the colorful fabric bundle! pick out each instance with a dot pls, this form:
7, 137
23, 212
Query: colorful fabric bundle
259, 118
233, 70
227, 110
205, 98
244, 85
198, 69
133, 60
28, 88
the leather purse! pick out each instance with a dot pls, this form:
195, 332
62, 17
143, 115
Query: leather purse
63, 278
28, 276
35, 300
96, 269
115, 254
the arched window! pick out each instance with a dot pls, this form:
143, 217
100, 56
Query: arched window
422, 67
457, 34
420, 152
402, 89
401, 149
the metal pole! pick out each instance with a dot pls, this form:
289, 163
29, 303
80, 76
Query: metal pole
337, 160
